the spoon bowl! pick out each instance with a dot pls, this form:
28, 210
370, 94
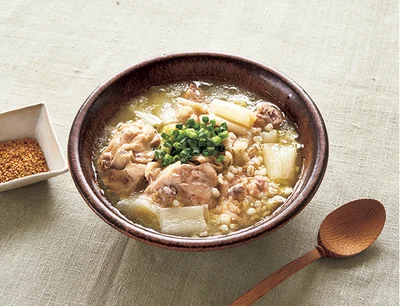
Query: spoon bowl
345, 232
351, 228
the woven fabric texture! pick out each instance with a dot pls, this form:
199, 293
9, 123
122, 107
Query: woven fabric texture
55, 251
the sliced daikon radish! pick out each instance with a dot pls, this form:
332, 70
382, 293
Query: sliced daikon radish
167, 113
280, 161
141, 210
183, 221
148, 118
198, 107
233, 112
270, 137
232, 127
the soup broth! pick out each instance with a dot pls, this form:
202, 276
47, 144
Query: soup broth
198, 159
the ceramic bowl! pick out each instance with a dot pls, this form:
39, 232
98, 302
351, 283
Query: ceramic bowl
253, 76
33, 121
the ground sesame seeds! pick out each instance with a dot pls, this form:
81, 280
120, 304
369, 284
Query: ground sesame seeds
19, 158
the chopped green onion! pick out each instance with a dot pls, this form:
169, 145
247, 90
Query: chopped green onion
159, 154
184, 154
190, 122
191, 133
202, 142
165, 136
167, 159
211, 150
216, 140
196, 151
176, 158
167, 144
183, 144
203, 135
178, 145
194, 138
192, 143
224, 134
180, 137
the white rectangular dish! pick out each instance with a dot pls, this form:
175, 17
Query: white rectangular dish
33, 121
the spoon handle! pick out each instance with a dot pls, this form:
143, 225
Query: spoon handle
276, 278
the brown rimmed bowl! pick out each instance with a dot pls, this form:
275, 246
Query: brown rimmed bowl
261, 79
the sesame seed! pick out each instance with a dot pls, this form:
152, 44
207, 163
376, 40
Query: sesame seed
19, 158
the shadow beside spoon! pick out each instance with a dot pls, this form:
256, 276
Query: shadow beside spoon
345, 232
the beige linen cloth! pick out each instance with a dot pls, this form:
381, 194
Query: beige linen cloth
55, 251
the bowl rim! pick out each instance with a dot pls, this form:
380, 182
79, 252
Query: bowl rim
186, 243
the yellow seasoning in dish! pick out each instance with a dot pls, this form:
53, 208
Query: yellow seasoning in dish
19, 158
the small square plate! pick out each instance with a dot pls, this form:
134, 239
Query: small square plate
33, 121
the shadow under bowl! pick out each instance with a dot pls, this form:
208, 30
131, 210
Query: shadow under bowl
258, 78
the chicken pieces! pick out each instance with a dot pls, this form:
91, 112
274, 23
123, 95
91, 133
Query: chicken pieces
194, 93
267, 113
122, 164
187, 183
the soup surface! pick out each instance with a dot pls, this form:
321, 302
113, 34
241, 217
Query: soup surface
198, 159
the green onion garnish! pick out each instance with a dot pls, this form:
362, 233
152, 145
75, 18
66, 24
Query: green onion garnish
165, 136
192, 139
220, 159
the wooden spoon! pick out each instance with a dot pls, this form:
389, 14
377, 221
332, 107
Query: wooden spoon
345, 232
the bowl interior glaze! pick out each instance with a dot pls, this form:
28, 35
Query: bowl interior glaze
263, 80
